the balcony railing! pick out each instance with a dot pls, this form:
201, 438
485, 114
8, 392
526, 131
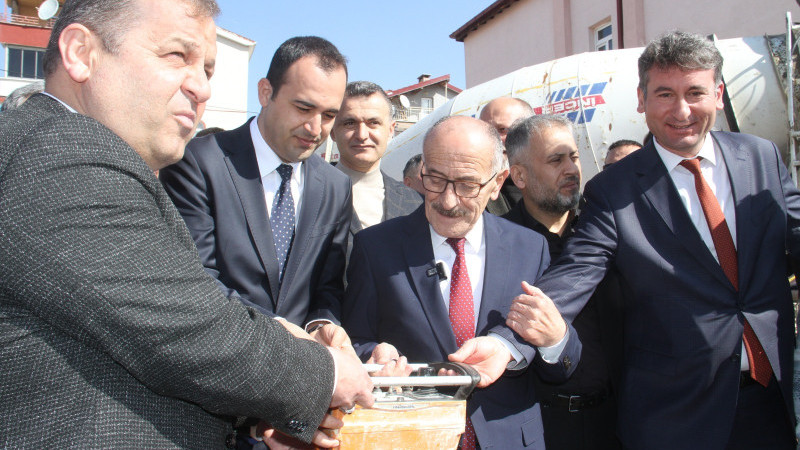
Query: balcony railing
412, 114
31, 21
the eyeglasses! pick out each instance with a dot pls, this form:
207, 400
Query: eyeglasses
463, 189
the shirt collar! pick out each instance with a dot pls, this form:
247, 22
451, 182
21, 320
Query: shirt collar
474, 236
671, 160
266, 158
70, 108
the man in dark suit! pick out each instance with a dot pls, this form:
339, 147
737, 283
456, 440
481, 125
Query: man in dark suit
111, 333
580, 413
233, 190
698, 224
362, 130
396, 303
501, 113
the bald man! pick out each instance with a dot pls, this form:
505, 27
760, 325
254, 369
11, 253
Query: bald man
501, 113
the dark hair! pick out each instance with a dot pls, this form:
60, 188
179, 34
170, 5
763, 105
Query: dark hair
622, 143
412, 164
327, 55
366, 89
108, 19
686, 51
520, 133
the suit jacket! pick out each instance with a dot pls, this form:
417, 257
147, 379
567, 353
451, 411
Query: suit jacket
217, 189
398, 200
111, 333
392, 299
684, 320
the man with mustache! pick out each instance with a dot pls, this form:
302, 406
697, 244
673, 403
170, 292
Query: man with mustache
270, 220
580, 413
397, 300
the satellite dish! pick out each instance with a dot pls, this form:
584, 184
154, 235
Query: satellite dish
48, 9
404, 101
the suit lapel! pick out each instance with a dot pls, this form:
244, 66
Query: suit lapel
391, 207
418, 252
740, 174
659, 189
313, 193
241, 162
495, 273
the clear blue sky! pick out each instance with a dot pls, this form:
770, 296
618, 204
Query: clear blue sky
389, 43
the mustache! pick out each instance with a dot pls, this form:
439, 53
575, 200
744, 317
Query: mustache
452, 213
569, 180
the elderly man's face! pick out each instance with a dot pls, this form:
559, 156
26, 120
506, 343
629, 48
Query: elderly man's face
152, 92
460, 151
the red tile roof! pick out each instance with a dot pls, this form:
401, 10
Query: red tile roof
484, 16
414, 87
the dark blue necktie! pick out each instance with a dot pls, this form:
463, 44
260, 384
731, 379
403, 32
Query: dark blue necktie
282, 219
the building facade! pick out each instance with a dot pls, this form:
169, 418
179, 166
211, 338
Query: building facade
24, 37
511, 34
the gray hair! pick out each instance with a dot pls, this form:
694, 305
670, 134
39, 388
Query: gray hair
522, 130
686, 51
21, 94
498, 161
109, 19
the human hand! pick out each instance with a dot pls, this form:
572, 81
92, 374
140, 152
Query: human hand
276, 440
394, 365
294, 329
353, 384
383, 353
331, 335
487, 355
534, 316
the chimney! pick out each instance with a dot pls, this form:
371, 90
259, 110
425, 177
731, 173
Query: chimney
424, 77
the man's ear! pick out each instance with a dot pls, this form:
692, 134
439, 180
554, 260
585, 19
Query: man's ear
78, 47
264, 91
517, 176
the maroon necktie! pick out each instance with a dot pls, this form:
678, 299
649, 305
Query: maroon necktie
760, 369
462, 313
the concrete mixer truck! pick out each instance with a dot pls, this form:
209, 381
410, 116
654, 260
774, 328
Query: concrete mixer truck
597, 91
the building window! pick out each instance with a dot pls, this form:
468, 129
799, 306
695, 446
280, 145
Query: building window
426, 103
603, 37
25, 63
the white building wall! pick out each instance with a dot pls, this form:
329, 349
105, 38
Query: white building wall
534, 31
227, 107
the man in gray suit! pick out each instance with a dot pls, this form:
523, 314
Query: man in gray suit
111, 333
362, 130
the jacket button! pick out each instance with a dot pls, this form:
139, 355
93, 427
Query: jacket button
567, 362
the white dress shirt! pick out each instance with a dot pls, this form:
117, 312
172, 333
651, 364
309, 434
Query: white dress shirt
475, 255
715, 173
268, 163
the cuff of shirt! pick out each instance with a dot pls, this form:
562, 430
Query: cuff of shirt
335, 370
551, 355
516, 357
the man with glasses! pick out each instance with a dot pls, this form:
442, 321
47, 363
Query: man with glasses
425, 284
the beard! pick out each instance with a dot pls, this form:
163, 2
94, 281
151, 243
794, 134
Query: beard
553, 201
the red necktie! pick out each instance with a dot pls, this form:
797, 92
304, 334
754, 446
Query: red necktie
760, 369
462, 313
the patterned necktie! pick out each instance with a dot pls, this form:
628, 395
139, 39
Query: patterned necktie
462, 313
760, 369
282, 219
